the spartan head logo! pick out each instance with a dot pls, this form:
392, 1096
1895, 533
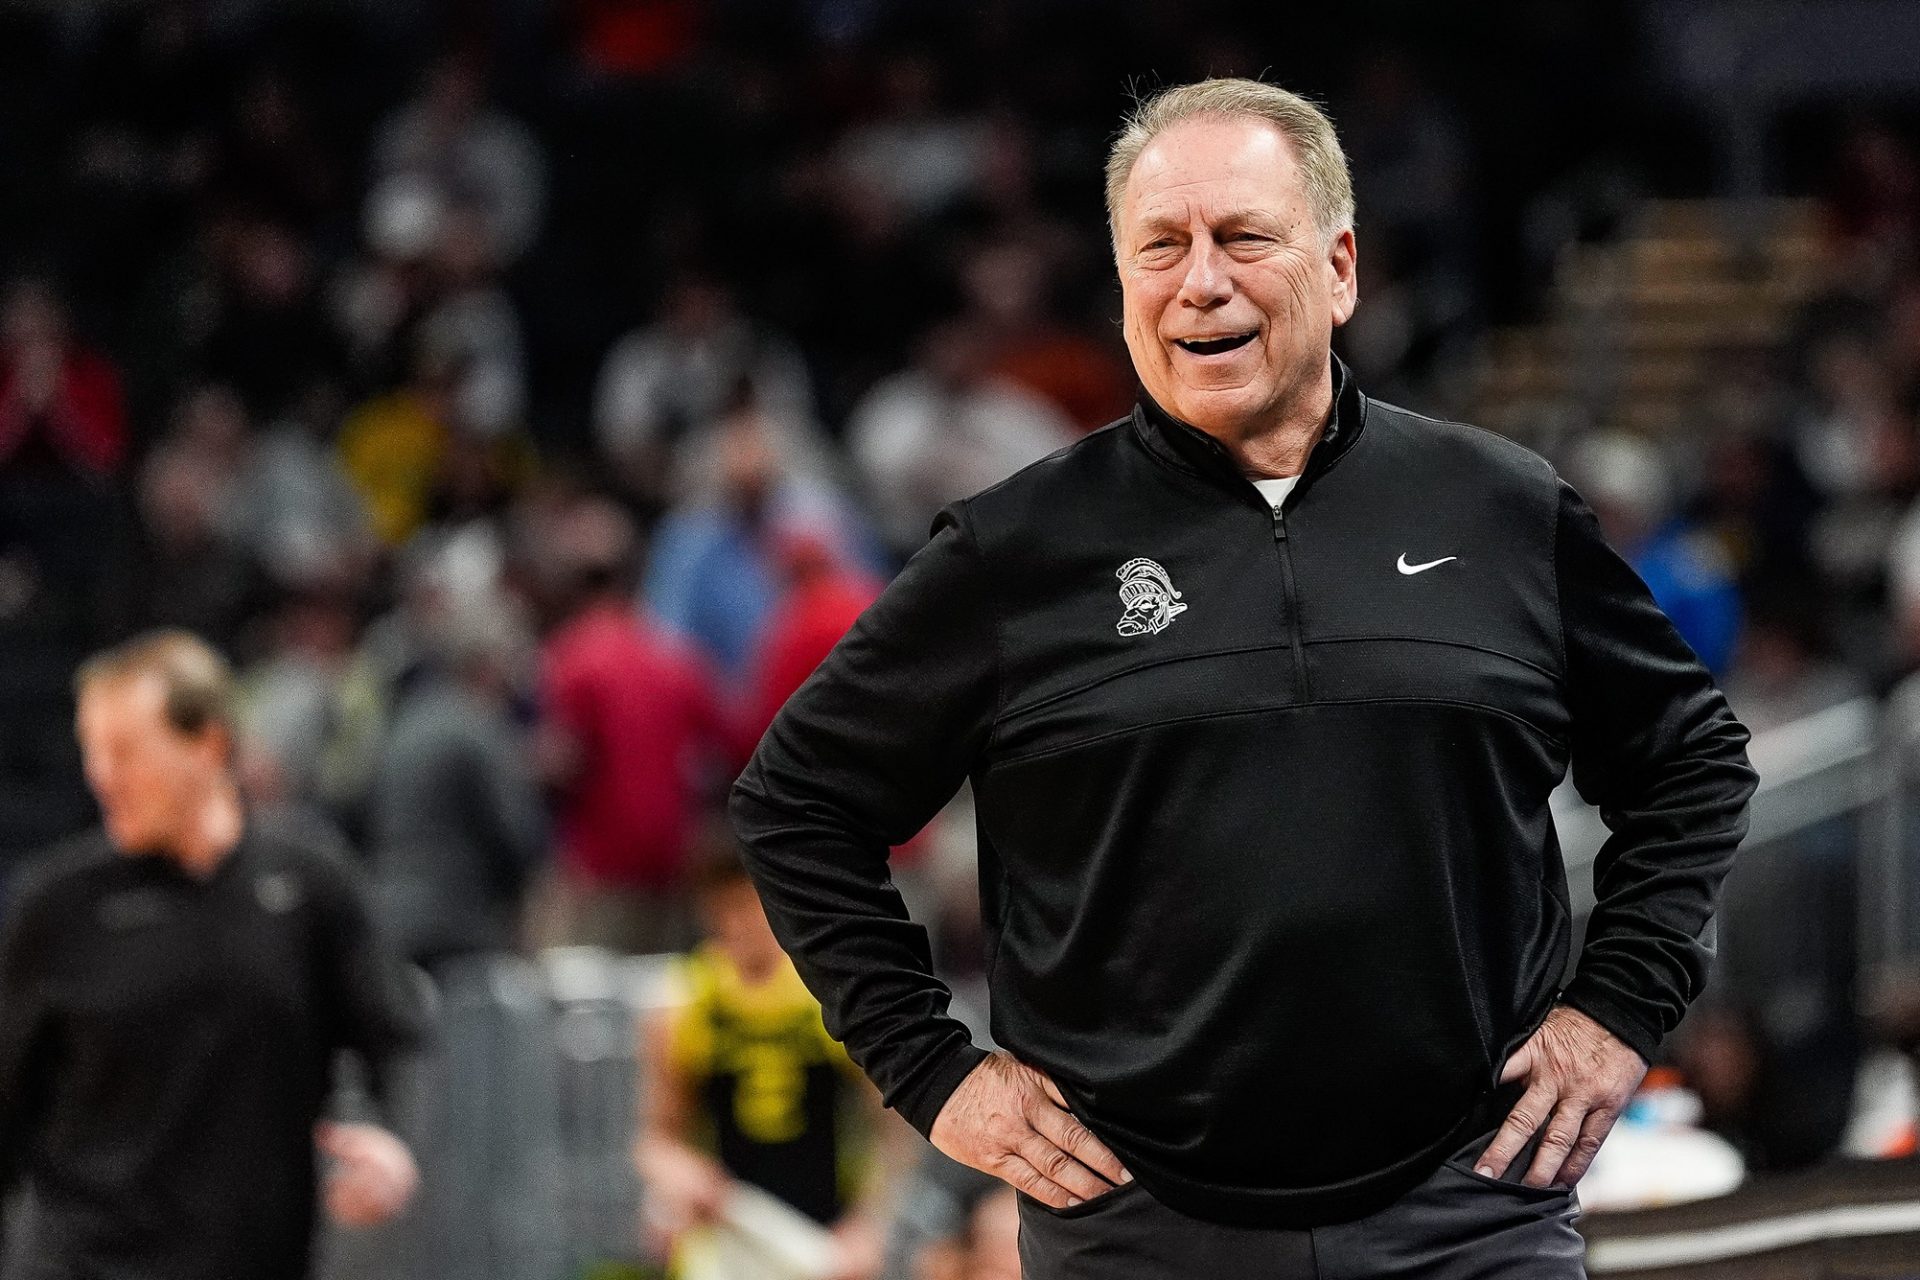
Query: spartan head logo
1149, 597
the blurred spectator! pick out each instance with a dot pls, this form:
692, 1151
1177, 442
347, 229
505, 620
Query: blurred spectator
63, 440
1009, 291
267, 334
742, 1083
821, 599
468, 152
294, 507
60, 405
271, 152
943, 429
913, 152
1759, 505
713, 575
631, 722
1631, 488
392, 446
442, 576
273, 501
1852, 438
196, 573
433, 287
1850, 429
1873, 209
457, 826
229, 513
663, 388
473, 325
377, 301
313, 717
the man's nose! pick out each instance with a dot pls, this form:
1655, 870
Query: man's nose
1206, 283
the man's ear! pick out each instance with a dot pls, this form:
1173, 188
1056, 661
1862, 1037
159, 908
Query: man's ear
1343, 261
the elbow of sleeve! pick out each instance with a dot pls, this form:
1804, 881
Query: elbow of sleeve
749, 816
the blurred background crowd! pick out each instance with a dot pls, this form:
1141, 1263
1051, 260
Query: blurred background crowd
525, 394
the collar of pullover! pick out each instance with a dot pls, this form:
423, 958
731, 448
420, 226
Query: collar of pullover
1182, 445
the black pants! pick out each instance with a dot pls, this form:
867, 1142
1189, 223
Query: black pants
1457, 1225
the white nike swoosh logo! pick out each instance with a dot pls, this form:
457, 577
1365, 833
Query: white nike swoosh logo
1402, 565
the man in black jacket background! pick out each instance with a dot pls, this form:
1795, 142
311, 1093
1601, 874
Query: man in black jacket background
1262, 692
174, 988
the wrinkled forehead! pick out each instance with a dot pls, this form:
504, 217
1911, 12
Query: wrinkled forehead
1213, 169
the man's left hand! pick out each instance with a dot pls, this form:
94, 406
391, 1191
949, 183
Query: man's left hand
1579, 1077
373, 1174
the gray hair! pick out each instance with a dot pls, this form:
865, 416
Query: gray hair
1323, 165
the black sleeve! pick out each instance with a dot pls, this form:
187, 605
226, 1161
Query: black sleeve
1656, 748
375, 1006
860, 759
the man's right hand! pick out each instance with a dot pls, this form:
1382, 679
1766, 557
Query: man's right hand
1008, 1119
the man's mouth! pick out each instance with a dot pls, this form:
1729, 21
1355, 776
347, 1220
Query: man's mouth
1216, 346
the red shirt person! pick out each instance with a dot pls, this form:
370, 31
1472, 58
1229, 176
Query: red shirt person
58, 401
822, 599
631, 718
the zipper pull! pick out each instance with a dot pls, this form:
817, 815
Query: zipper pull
1279, 526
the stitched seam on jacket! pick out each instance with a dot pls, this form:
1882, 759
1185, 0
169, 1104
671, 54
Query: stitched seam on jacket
1456, 644
1148, 665
1456, 703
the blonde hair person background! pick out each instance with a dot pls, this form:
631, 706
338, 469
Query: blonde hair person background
174, 988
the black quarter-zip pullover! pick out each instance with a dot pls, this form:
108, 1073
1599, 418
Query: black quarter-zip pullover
1267, 868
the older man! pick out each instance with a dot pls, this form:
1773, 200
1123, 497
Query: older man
1262, 691
173, 990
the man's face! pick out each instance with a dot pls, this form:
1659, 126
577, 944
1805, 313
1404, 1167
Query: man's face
148, 776
1231, 293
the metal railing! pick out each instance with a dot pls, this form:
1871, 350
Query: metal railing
1837, 807
522, 1120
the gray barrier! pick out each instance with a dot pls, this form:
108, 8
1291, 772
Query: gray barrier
522, 1119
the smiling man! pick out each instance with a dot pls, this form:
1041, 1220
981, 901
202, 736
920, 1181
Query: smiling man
1262, 691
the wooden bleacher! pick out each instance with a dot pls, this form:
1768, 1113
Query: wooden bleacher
1636, 328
